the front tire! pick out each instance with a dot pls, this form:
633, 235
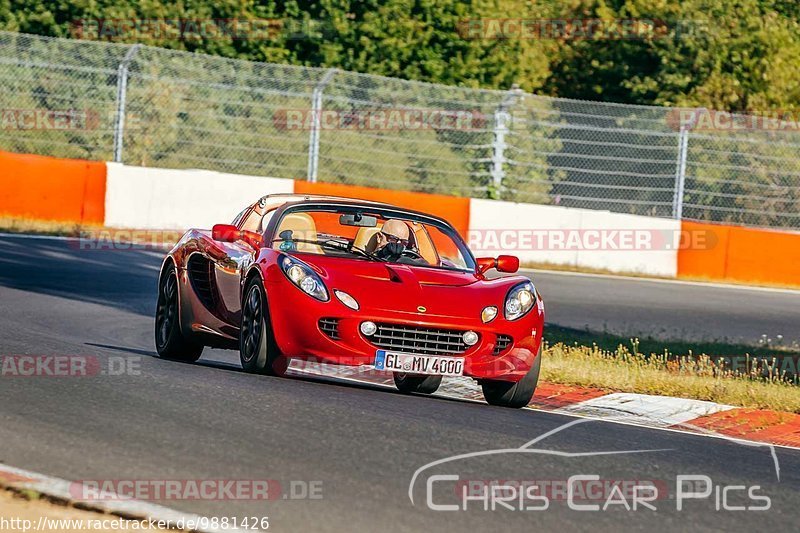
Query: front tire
515, 395
408, 383
170, 342
258, 351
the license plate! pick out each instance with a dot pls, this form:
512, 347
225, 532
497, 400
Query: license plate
419, 364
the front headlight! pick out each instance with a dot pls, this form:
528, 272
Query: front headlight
306, 279
520, 300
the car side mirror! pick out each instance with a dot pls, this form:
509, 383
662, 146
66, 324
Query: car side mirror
230, 233
225, 233
503, 263
507, 263
485, 263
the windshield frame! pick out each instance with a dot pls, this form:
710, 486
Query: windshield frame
384, 212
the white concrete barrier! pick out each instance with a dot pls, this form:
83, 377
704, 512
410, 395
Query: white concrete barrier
648, 245
139, 197
505, 228
577, 237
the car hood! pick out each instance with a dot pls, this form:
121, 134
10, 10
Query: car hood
406, 288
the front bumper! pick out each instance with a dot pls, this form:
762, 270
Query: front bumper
295, 320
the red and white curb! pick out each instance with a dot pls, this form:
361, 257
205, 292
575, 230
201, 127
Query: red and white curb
663, 412
659, 411
59, 489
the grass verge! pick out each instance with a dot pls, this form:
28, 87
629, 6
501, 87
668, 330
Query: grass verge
762, 378
94, 236
40, 227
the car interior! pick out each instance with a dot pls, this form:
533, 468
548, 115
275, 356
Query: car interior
304, 226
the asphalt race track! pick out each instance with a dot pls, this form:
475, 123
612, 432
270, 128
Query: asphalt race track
161, 420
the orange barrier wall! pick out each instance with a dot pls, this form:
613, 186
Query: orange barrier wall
453, 209
48, 188
734, 253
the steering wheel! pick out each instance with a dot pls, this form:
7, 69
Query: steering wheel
412, 254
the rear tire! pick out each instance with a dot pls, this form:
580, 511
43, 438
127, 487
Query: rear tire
170, 342
408, 383
258, 351
510, 394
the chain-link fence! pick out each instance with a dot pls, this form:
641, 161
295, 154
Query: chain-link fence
154, 107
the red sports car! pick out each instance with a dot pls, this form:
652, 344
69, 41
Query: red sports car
351, 282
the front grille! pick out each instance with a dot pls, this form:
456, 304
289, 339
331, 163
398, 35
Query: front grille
503, 342
413, 339
330, 327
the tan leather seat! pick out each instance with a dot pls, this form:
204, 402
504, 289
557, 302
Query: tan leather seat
367, 238
303, 227
424, 244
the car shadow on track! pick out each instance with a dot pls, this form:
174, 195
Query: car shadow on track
320, 379
150, 353
124, 279
125, 349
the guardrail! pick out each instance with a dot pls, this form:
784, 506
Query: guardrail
148, 106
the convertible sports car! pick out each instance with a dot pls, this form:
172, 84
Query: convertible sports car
351, 282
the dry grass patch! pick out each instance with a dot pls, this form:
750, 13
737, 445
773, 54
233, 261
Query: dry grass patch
42, 227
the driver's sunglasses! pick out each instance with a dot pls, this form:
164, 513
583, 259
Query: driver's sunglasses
394, 238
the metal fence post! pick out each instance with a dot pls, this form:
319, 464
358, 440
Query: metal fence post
680, 174
680, 169
316, 110
122, 91
502, 119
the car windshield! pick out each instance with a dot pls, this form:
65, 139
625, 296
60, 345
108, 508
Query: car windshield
371, 234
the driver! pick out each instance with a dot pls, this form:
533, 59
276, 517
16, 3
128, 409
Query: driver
394, 243
392, 240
